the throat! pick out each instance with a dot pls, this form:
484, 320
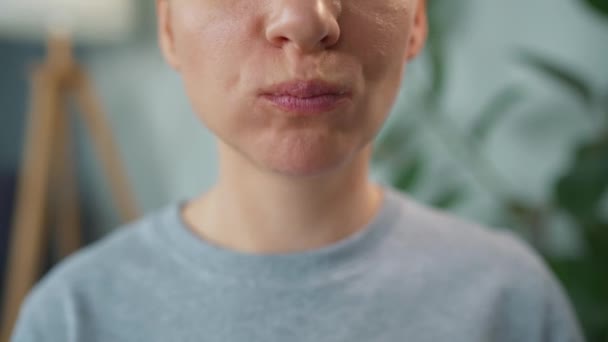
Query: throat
283, 227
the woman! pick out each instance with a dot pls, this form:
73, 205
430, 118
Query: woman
294, 242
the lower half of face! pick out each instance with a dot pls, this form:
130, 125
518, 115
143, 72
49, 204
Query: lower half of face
225, 82
295, 144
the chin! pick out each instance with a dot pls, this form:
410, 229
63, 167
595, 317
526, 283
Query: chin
304, 165
302, 155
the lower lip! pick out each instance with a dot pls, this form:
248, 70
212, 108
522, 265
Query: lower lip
309, 105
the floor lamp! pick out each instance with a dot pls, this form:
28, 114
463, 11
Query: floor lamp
48, 172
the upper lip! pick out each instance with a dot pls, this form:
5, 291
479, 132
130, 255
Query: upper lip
305, 89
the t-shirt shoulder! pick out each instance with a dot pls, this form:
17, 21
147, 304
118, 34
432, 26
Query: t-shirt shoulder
105, 265
461, 253
461, 244
109, 261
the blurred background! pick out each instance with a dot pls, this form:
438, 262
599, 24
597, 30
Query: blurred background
502, 120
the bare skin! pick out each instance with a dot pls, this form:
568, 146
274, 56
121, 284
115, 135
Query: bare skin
289, 183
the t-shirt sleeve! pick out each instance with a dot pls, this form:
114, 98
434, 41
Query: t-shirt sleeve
43, 316
535, 303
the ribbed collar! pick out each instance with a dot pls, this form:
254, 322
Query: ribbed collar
343, 258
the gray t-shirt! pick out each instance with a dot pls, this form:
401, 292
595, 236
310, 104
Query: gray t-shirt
412, 274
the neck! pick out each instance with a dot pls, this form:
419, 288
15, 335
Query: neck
254, 212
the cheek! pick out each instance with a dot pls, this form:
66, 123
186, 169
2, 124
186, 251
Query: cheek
213, 50
378, 32
211, 45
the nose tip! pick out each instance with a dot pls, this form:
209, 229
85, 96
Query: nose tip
308, 25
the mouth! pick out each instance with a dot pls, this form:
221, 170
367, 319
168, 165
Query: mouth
309, 97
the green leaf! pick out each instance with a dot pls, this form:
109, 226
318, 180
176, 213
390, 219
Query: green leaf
586, 281
604, 106
561, 75
409, 176
390, 145
450, 198
601, 6
582, 188
442, 20
495, 110
596, 236
438, 75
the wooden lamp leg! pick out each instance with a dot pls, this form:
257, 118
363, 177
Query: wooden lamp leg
48, 133
28, 238
65, 189
101, 133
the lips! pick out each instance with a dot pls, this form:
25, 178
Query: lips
304, 89
307, 97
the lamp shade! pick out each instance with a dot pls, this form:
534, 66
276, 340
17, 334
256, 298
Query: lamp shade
87, 21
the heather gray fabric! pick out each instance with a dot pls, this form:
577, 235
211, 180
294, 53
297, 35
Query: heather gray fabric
413, 274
